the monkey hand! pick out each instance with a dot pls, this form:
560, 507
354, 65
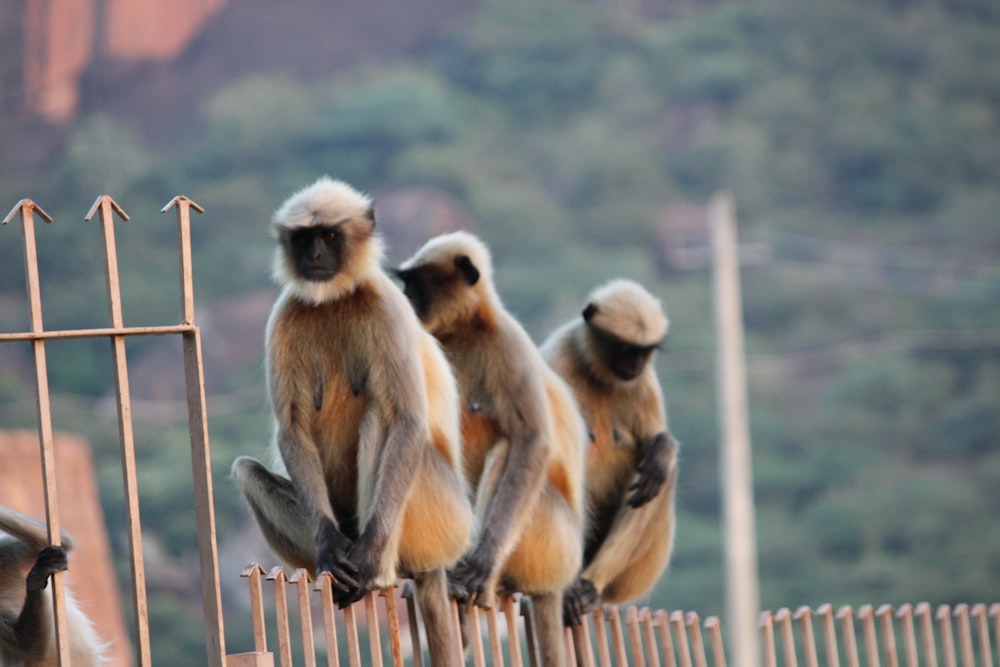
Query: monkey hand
332, 549
653, 470
366, 559
50, 559
471, 575
579, 599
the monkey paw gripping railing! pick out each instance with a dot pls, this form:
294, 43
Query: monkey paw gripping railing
645, 638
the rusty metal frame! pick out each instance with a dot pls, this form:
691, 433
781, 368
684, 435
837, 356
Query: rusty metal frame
106, 208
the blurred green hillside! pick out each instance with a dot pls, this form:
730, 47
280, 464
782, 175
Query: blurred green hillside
861, 141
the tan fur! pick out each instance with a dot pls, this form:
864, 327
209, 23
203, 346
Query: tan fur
309, 343
623, 416
627, 310
19, 549
518, 418
366, 417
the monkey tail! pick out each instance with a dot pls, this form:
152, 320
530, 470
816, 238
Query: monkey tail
32, 532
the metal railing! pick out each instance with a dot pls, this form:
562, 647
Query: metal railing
106, 208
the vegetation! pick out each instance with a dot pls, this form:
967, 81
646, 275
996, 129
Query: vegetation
861, 141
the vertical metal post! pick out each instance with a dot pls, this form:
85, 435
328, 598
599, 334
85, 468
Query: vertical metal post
905, 614
301, 580
983, 630
27, 209
766, 623
680, 633
742, 589
617, 635
947, 636
201, 462
108, 207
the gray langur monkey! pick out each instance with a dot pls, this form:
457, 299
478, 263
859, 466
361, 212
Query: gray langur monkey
27, 625
365, 417
523, 436
606, 358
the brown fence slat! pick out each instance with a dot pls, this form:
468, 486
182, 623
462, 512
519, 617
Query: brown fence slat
784, 620
649, 636
277, 575
253, 572
905, 615
392, 620
409, 594
324, 585
635, 636
680, 635
825, 612
766, 624
846, 617
301, 580
351, 630
617, 635
693, 623
983, 631
923, 612
374, 636
961, 612
714, 627
804, 616
947, 636
866, 614
662, 620
513, 639
885, 614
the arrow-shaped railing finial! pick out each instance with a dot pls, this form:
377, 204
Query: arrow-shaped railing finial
27, 206
106, 200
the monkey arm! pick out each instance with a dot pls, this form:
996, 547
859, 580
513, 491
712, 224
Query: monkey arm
514, 492
305, 469
33, 628
653, 469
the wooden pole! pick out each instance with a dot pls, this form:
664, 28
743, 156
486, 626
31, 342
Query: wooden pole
739, 533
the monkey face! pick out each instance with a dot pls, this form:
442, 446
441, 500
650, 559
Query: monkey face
624, 359
430, 287
316, 253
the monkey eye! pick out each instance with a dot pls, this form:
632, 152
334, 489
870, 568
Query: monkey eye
330, 235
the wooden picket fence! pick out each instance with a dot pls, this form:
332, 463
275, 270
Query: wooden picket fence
905, 636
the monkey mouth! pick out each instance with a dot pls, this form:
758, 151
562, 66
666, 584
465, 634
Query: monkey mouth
318, 275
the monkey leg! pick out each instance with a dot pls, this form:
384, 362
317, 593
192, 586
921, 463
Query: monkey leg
636, 549
438, 521
443, 639
279, 512
549, 552
548, 609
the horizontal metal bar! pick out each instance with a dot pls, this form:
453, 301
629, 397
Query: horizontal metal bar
98, 333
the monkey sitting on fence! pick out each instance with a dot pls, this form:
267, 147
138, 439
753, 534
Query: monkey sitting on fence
365, 416
605, 356
27, 626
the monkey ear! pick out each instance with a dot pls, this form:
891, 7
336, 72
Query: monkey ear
468, 269
589, 311
370, 214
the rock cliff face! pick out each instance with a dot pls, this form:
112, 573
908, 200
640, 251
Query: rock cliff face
91, 574
63, 37
147, 60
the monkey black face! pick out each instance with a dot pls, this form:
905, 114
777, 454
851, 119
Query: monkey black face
625, 359
317, 253
425, 284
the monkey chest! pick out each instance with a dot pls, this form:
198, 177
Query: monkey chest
480, 433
